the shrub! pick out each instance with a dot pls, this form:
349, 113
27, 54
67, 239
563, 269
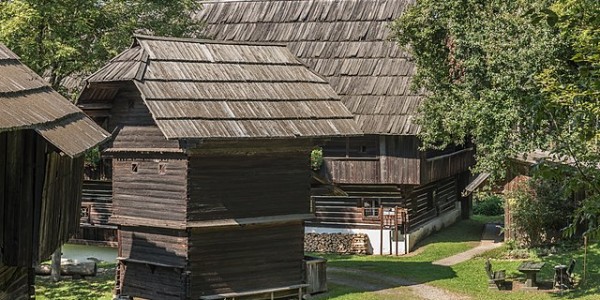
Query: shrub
490, 206
540, 210
316, 158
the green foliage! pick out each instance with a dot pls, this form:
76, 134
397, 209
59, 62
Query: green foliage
316, 158
492, 205
61, 38
514, 76
93, 156
540, 210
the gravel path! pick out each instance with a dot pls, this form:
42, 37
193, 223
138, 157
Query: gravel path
371, 281
490, 239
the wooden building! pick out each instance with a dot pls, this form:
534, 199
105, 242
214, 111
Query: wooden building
42, 139
211, 171
347, 41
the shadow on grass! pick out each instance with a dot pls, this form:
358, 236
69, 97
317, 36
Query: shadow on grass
93, 288
462, 231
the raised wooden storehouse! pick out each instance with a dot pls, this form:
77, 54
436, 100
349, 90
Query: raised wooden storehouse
347, 42
211, 171
42, 139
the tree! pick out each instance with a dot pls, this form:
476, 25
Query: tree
514, 76
63, 38
60, 38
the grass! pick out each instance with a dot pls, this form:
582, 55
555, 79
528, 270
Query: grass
93, 288
466, 278
469, 277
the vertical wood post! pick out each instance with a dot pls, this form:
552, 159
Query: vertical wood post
55, 272
396, 228
585, 244
381, 230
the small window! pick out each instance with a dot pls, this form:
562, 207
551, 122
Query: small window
134, 167
362, 149
371, 208
162, 168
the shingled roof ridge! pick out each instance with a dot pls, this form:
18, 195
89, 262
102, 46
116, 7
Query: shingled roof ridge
202, 41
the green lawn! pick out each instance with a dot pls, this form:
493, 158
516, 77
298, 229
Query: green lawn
469, 278
93, 288
466, 278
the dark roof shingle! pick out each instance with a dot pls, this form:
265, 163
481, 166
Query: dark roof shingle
28, 102
210, 89
344, 40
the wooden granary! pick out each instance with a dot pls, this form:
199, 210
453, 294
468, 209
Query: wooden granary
211, 171
347, 41
42, 139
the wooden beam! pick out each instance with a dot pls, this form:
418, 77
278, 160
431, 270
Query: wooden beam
250, 221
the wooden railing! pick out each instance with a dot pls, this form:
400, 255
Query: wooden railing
447, 165
353, 170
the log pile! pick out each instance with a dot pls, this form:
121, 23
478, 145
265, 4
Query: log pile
337, 243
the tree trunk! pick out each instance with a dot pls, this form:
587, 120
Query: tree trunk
55, 273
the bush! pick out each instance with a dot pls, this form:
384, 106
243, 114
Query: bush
490, 206
540, 210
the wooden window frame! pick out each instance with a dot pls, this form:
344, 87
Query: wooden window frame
371, 212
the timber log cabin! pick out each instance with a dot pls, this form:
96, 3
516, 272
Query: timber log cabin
387, 187
211, 164
42, 140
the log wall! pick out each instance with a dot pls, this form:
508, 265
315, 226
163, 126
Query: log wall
423, 203
257, 257
154, 245
144, 196
96, 200
167, 283
248, 186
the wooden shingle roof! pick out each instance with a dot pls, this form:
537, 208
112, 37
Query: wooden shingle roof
219, 90
344, 40
28, 102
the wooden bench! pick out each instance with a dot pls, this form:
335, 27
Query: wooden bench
563, 275
496, 279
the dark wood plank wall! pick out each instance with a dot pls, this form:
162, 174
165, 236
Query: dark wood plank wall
96, 198
3, 200
19, 199
353, 170
154, 245
248, 186
61, 202
446, 165
152, 198
400, 163
128, 108
15, 283
257, 257
167, 283
387, 160
40, 200
360, 146
352, 160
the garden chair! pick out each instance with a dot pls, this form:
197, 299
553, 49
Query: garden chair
563, 275
496, 279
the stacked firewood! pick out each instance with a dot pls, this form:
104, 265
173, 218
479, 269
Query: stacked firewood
337, 243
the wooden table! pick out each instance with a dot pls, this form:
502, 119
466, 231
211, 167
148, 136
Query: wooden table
531, 269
